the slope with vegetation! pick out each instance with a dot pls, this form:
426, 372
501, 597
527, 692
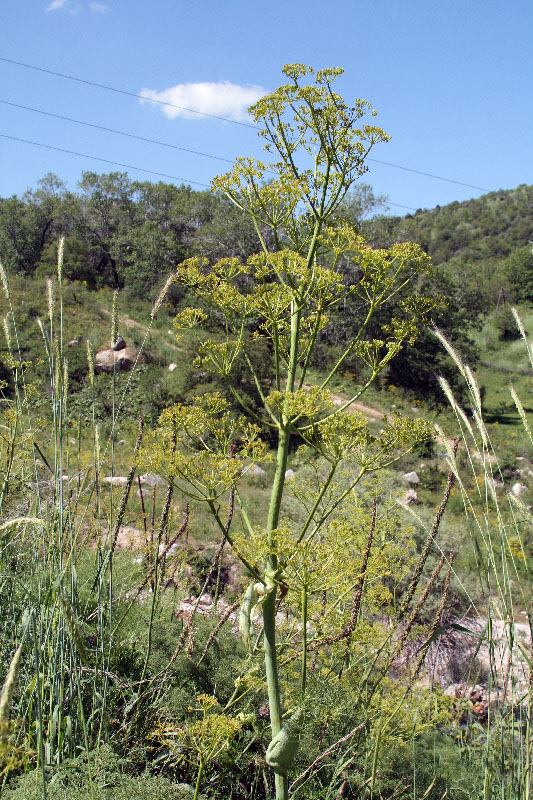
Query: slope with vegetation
270, 617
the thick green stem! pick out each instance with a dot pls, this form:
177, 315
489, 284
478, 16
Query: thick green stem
304, 640
198, 779
271, 669
269, 605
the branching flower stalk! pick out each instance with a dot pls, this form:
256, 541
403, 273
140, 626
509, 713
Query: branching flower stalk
283, 294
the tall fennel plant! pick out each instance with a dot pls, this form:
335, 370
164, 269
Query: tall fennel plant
319, 145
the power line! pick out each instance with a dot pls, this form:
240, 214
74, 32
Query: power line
104, 160
125, 92
223, 119
113, 130
427, 174
409, 208
131, 166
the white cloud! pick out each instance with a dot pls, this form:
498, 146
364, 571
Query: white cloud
65, 5
223, 99
99, 8
55, 5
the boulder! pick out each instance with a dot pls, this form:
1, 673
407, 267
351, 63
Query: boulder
116, 480
411, 477
206, 600
518, 489
411, 496
255, 471
120, 344
290, 473
172, 367
152, 480
105, 359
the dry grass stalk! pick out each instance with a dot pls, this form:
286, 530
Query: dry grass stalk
436, 620
127, 487
348, 629
429, 541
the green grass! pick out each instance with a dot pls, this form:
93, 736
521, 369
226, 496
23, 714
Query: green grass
68, 593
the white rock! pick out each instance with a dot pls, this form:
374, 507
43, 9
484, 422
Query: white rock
116, 480
518, 489
206, 600
152, 480
171, 550
411, 496
172, 367
255, 471
290, 473
111, 360
411, 477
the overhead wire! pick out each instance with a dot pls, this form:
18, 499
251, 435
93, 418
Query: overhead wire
114, 130
427, 174
130, 136
223, 119
104, 160
126, 92
132, 166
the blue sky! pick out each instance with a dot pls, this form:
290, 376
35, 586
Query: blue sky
451, 81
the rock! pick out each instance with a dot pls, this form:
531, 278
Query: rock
74, 342
414, 409
411, 477
411, 496
116, 480
255, 471
105, 359
120, 344
152, 480
496, 483
122, 441
172, 367
130, 538
206, 600
518, 489
290, 473
172, 550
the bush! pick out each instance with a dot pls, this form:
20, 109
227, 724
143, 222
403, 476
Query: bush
110, 780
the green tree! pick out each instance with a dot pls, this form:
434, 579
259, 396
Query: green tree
519, 271
29, 223
319, 145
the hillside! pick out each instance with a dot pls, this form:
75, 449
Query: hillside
181, 620
482, 230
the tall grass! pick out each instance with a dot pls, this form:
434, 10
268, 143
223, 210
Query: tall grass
498, 525
49, 591
63, 609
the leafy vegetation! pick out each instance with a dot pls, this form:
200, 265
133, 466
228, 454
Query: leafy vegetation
276, 615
